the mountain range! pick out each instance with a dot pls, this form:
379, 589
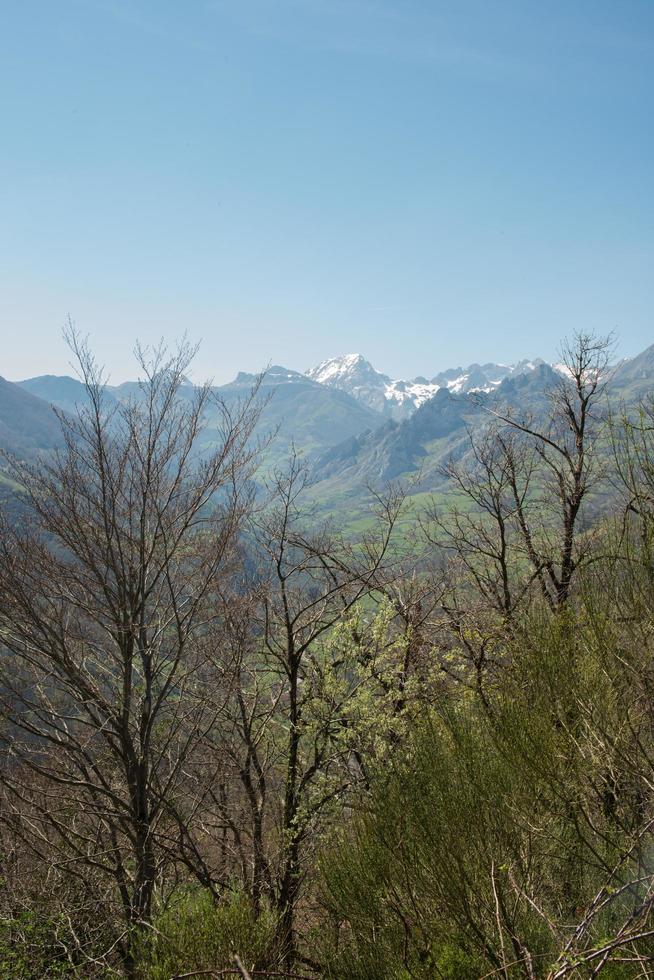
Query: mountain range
298, 409
355, 425
399, 399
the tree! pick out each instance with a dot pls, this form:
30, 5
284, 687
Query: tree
310, 581
310, 656
517, 529
105, 599
566, 451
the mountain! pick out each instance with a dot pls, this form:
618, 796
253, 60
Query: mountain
302, 412
397, 448
62, 391
354, 424
28, 429
28, 425
633, 378
483, 377
418, 446
298, 410
356, 376
399, 399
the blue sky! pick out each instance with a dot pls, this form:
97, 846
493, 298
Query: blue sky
428, 183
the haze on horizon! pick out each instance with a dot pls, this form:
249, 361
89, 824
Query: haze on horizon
429, 184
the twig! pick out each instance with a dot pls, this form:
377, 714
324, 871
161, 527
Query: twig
241, 969
231, 971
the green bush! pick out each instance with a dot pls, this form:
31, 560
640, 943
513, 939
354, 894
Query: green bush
29, 949
196, 933
486, 842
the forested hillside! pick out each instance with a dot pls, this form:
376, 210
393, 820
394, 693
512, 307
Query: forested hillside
239, 741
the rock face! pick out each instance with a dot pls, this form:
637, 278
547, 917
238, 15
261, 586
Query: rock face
418, 446
355, 375
400, 399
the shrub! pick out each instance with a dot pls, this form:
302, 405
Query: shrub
196, 933
30, 949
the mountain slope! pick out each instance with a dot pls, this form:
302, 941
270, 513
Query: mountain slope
634, 378
28, 425
418, 446
303, 412
300, 411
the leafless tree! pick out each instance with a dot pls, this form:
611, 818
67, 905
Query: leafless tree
522, 487
566, 448
105, 602
285, 724
312, 580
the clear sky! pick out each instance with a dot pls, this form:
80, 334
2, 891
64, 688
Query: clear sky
429, 183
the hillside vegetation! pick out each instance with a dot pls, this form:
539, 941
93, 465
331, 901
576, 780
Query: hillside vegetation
241, 739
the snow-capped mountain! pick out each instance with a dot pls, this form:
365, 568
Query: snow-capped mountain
355, 375
399, 399
483, 377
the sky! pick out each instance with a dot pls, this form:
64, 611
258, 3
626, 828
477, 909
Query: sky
428, 183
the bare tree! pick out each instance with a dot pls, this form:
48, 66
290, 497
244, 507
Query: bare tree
522, 487
566, 449
285, 726
105, 601
312, 580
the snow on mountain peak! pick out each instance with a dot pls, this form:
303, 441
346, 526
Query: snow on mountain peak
399, 399
355, 375
336, 369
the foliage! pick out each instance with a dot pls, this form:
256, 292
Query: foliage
490, 840
195, 932
29, 949
421, 753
